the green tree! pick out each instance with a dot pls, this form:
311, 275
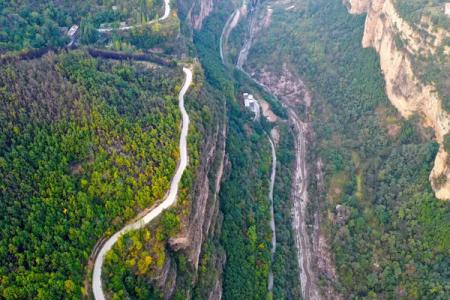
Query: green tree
88, 32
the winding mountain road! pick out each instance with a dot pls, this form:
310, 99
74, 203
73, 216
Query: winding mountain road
165, 16
299, 195
168, 201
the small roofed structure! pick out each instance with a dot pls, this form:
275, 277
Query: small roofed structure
73, 31
249, 100
252, 104
447, 9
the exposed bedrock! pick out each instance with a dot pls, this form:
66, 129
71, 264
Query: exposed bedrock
403, 87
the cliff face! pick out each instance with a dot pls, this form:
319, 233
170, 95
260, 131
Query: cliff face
384, 29
198, 12
203, 207
202, 225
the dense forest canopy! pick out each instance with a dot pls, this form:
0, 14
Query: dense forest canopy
35, 24
135, 263
84, 145
246, 234
88, 143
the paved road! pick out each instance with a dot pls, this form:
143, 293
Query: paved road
165, 16
168, 201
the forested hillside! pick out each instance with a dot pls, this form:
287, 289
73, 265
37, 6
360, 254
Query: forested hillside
415, 10
432, 65
138, 261
79, 155
37, 24
90, 140
389, 235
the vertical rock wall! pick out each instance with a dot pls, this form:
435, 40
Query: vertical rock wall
404, 89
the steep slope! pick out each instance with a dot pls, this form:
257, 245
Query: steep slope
397, 43
198, 12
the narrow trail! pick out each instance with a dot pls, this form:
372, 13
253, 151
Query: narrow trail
231, 22
226, 32
272, 219
310, 290
299, 195
169, 200
123, 28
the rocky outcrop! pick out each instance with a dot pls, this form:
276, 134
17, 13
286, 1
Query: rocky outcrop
384, 29
199, 11
286, 85
358, 6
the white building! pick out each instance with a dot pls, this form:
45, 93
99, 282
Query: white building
73, 31
249, 100
447, 9
252, 104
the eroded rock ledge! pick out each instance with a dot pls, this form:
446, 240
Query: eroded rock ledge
199, 11
404, 89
